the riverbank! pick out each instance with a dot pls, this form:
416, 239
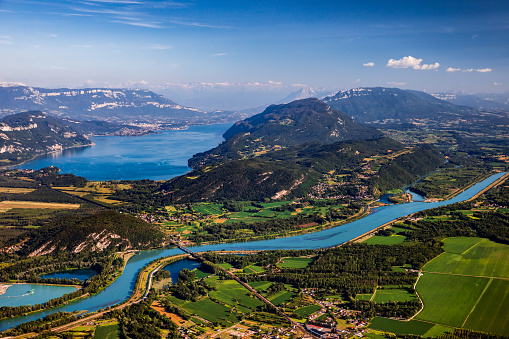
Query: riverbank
3, 288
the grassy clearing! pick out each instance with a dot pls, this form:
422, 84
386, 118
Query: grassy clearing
304, 312
31, 204
491, 313
381, 240
107, 332
226, 266
414, 327
483, 258
451, 303
388, 295
295, 262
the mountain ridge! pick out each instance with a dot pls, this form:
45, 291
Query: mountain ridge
279, 126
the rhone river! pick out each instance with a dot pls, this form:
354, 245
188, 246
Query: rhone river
121, 289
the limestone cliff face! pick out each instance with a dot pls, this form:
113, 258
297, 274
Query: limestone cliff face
28, 134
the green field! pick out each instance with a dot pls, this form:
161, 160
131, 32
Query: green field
253, 269
448, 299
387, 295
295, 262
211, 311
491, 313
381, 240
472, 256
232, 293
282, 297
304, 312
414, 327
363, 296
107, 332
208, 209
260, 286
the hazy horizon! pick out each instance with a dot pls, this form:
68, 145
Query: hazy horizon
277, 46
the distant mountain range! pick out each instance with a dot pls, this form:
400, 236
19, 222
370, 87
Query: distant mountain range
26, 135
393, 105
133, 106
279, 126
482, 101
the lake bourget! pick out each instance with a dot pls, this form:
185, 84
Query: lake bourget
122, 288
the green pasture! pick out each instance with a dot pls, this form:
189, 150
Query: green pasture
282, 297
388, 295
472, 256
208, 209
232, 293
107, 332
381, 240
448, 299
253, 269
491, 314
306, 311
225, 265
260, 286
211, 311
414, 327
295, 262
361, 296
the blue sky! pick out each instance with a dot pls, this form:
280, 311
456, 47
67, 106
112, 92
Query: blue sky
432, 45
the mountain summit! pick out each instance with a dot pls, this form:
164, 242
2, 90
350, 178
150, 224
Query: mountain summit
279, 126
380, 105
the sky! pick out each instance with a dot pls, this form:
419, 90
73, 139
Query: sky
423, 45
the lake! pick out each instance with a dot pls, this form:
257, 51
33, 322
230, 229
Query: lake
159, 156
122, 288
80, 274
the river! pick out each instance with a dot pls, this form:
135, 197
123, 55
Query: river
121, 288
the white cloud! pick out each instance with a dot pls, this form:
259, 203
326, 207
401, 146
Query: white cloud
357, 81
497, 83
277, 83
396, 83
218, 54
411, 62
450, 69
369, 64
480, 70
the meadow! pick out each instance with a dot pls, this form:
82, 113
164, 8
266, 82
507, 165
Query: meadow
295, 262
393, 294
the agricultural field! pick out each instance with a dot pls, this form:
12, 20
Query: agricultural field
295, 262
97, 191
396, 294
232, 293
8, 205
414, 327
465, 287
107, 332
363, 296
253, 269
15, 190
491, 313
472, 256
381, 240
282, 297
210, 311
306, 311
260, 286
